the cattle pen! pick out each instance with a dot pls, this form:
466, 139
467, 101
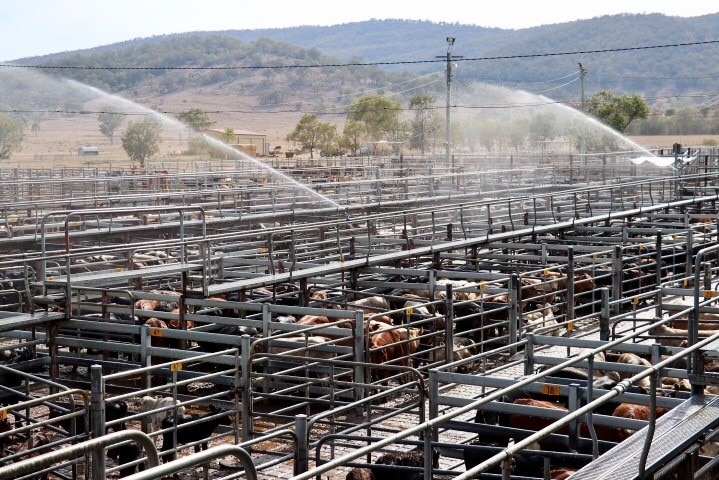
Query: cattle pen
486, 318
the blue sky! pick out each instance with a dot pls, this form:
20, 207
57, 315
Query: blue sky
38, 27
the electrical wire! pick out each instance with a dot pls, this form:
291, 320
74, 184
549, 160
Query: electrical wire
369, 64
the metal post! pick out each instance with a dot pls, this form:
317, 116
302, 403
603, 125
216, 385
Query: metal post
245, 355
689, 260
604, 315
570, 288
428, 455
449, 325
302, 463
433, 390
617, 275
514, 295
659, 261
573, 404
529, 354
97, 417
359, 348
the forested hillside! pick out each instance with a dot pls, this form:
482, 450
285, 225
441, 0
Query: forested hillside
675, 71
305, 68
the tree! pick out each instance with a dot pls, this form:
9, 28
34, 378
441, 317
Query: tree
195, 119
228, 136
542, 128
352, 136
425, 121
615, 111
12, 134
198, 145
142, 140
110, 120
312, 133
379, 114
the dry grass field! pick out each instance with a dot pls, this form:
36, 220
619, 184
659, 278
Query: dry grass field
58, 140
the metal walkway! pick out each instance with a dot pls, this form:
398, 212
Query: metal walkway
675, 432
104, 278
28, 320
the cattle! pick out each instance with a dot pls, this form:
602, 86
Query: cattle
561, 473
674, 337
674, 383
524, 463
157, 409
413, 458
196, 433
147, 304
416, 308
389, 466
35, 445
370, 305
115, 410
537, 291
541, 318
360, 474
323, 320
305, 347
124, 454
388, 345
13, 378
633, 359
683, 323
226, 331
157, 338
459, 291
532, 422
6, 439
463, 349
312, 320
176, 323
158, 305
285, 319
639, 277
632, 411
481, 319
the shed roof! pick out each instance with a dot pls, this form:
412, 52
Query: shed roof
237, 132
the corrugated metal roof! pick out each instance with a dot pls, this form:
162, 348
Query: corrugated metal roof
236, 132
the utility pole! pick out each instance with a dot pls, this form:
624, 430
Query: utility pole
583, 140
448, 129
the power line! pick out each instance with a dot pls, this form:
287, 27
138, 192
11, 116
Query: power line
326, 112
367, 64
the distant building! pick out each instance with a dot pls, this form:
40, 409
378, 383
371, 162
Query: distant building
83, 151
251, 143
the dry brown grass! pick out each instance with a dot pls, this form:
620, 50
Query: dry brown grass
58, 140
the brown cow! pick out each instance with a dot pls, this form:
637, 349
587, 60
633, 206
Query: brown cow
561, 473
634, 359
535, 423
388, 345
370, 305
673, 337
636, 412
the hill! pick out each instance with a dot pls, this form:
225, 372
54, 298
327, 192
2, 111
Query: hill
670, 71
265, 79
